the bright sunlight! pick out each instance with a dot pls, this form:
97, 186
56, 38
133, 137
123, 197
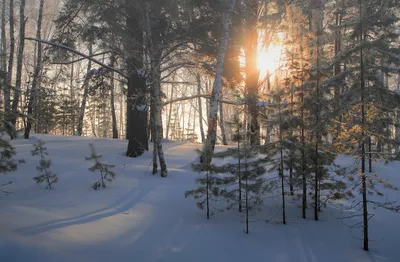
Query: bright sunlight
268, 60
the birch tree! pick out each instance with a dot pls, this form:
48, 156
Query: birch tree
20, 57
209, 144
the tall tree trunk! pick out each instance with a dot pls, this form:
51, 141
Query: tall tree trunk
303, 138
85, 94
156, 75
3, 53
21, 47
318, 32
137, 111
121, 112
3, 43
252, 72
222, 122
170, 111
112, 102
200, 106
72, 94
153, 135
209, 145
38, 68
7, 89
337, 69
363, 175
281, 166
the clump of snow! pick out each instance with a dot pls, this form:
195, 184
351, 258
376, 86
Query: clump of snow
141, 217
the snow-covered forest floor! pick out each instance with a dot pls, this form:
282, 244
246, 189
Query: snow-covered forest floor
141, 217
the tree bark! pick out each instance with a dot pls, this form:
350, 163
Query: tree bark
200, 106
137, 111
155, 58
170, 112
72, 94
363, 175
85, 94
222, 122
209, 145
18, 80
3, 55
252, 72
7, 89
112, 102
36, 76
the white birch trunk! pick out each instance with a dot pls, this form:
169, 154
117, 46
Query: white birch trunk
209, 145
21, 48
7, 102
155, 73
3, 52
198, 78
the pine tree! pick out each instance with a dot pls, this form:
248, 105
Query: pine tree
240, 181
7, 162
209, 186
368, 99
106, 174
45, 175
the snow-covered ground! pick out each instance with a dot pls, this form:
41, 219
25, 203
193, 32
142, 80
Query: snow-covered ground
141, 217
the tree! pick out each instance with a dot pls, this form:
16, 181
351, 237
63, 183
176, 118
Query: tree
37, 71
106, 174
7, 161
20, 56
372, 35
45, 175
209, 144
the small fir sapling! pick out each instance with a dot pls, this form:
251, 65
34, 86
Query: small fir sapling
45, 175
7, 162
105, 173
208, 189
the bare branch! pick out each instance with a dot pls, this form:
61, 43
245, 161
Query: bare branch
78, 53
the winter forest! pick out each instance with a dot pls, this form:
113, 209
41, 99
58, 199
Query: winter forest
193, 130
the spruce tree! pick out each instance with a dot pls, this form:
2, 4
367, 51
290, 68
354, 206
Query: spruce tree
45, 175
106, 174
368, 105
240, 182
209, 186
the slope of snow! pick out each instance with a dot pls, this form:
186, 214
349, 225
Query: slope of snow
140, 217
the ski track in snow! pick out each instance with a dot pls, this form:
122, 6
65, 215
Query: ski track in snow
140, 217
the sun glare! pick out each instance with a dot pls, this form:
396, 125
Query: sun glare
268, 60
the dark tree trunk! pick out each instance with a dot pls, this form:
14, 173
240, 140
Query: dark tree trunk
137, 111
363, 175
281, 166
85, 86
221, 122
36, 77
112, 102
136, 122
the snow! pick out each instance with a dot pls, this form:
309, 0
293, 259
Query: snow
140, 217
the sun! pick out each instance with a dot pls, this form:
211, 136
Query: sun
268, 60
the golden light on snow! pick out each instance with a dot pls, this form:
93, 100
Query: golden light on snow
268, 60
